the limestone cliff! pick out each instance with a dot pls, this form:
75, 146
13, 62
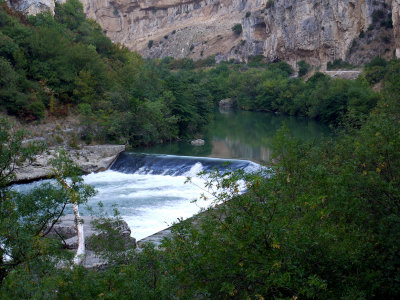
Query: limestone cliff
291, 30
33, 7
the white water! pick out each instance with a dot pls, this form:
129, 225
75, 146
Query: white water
148, 203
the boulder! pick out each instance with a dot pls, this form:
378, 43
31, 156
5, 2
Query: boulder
198, 142
65, 228
226, 103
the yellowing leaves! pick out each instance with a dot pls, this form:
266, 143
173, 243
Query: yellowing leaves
275, 245
277, 265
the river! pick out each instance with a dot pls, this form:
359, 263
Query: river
147, 186
244, 135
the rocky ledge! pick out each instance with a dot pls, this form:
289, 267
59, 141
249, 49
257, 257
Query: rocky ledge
65, 229
352, 75
88, 158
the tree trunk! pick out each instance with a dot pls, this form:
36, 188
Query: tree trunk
80, 253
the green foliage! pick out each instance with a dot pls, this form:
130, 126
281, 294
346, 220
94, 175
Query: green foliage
70, 14
237, 28
303, 68
338, 64
248, 14
67, 60
321, 223
26, 218
375, 70
150, 44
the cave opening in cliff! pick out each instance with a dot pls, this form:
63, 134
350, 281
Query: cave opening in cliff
260, 31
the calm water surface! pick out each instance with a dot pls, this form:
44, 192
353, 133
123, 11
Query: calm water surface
243, 135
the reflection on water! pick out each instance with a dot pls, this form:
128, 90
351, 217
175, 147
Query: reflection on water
243, 135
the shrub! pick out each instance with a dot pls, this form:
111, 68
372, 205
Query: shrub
303, 68
150, 44
237, 28
248, 14
377, 15
339, 64
270, 4
377, 61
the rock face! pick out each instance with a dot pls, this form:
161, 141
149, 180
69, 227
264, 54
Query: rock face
396, 25
89, 159
343, 74
33, 7
290, 30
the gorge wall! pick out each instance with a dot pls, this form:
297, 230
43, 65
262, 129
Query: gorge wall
317, 31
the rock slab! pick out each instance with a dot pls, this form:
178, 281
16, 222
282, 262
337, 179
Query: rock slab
90, 159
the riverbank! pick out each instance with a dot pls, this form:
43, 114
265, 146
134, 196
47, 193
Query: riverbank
89, 158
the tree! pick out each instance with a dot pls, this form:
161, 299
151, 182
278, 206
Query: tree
303, 68
26, 219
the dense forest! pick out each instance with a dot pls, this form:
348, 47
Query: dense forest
55, 66
323, 222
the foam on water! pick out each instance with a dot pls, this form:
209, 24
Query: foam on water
149, 191
148, 203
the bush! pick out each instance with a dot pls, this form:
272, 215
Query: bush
37, 109
377, 15
270, 4
248, 14
237, 28
150, 44
339, 64
376, 62
303, 68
